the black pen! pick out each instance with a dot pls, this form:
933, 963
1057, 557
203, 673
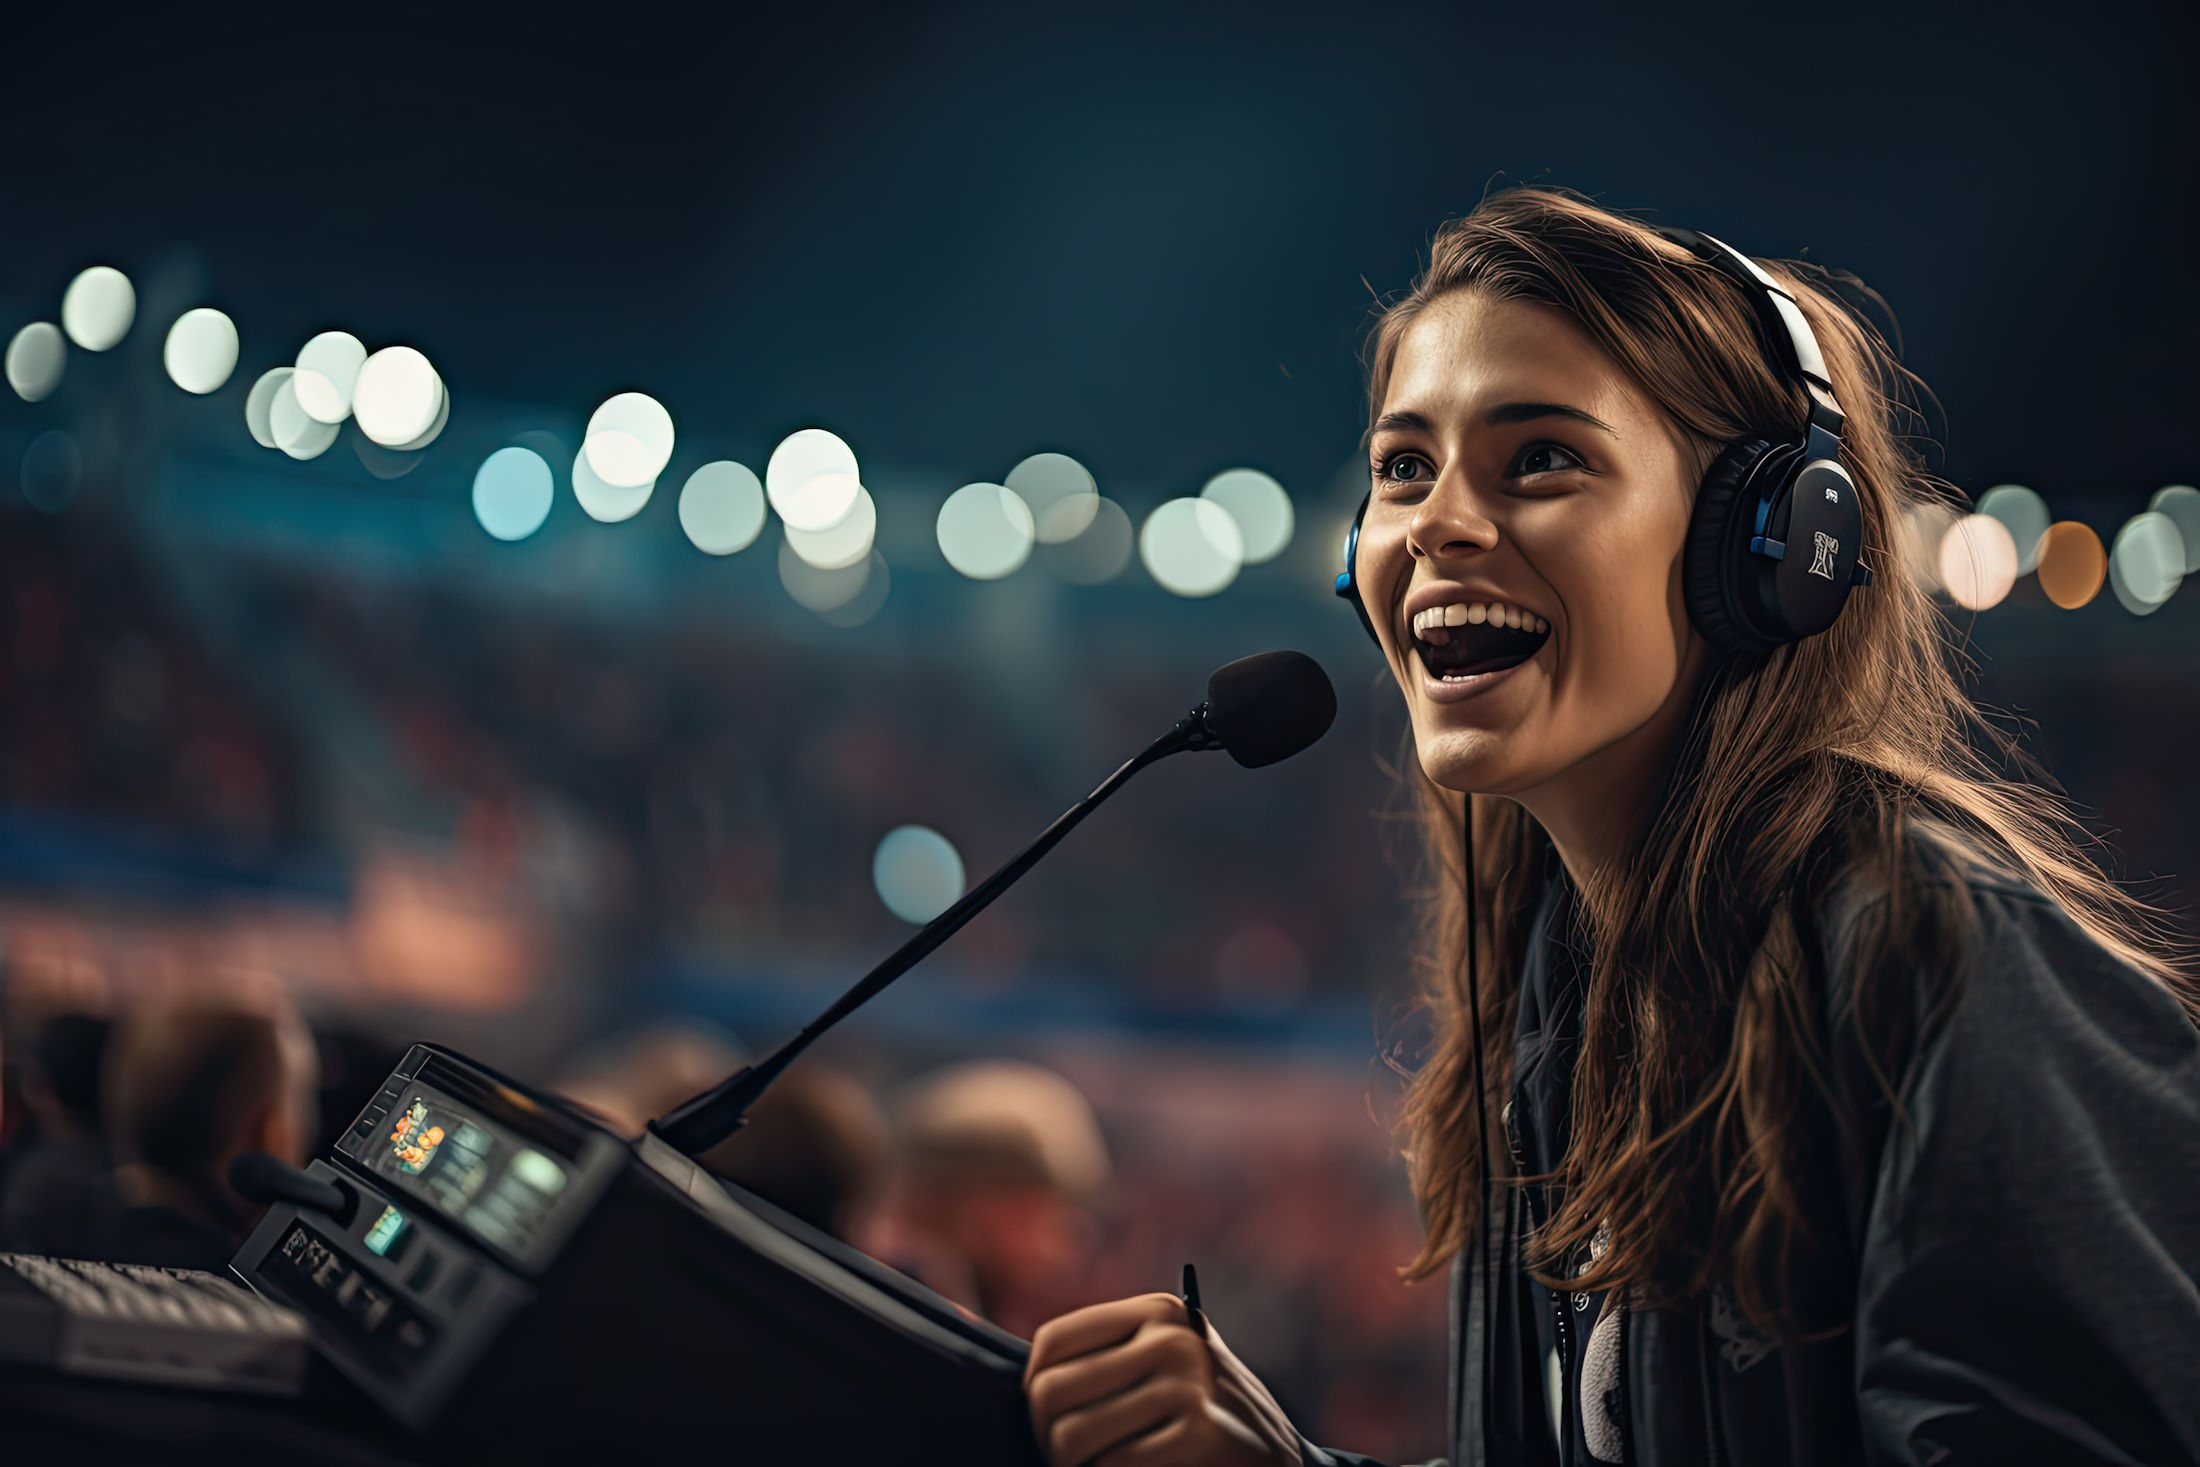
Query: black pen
1192, 1311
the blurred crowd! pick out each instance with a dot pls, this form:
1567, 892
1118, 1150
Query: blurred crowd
699, 791
730, 788
111, 708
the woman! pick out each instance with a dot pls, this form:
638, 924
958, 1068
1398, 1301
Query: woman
1829, 1105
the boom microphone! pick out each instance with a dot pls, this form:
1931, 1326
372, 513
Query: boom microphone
1260, 710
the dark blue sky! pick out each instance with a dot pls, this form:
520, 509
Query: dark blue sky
961, 234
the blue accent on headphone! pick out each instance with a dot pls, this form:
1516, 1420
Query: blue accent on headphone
1345, 585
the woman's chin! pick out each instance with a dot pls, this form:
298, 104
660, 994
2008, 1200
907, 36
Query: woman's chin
1470, 759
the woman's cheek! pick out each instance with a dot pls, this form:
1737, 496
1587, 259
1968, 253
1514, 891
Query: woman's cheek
1632, 671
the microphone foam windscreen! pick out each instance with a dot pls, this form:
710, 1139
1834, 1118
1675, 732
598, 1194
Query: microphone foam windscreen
1269, 706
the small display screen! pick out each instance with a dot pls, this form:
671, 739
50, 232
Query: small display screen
468, 1167
369, 1316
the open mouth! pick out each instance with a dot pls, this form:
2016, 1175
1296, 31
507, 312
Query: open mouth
1465, 651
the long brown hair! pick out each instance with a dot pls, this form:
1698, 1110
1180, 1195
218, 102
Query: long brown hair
1841, 758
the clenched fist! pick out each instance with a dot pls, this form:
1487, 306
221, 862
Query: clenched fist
1128, 1384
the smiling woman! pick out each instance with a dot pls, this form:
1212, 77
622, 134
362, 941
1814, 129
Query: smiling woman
1799, 1089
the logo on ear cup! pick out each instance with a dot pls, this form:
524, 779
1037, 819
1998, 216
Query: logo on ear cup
1827, 547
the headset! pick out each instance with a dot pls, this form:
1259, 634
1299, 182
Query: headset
1773, 540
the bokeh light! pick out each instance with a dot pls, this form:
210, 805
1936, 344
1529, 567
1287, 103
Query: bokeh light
629, 440
820, 590
512, 493
36, 357
1099, 554
1192, 547
722, 507
2181, 502
1978, 561
609, 503
201, 350
396, 396
868, 602
2072, 564
259, 404
1060, 494
811, 480
98, 308
52, 469
845, 543
1259, 505
2024, 514
2147, 562
917, 872
328, 371
985, 531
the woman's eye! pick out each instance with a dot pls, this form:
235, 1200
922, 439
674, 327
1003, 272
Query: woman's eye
1536, 459
1404, 468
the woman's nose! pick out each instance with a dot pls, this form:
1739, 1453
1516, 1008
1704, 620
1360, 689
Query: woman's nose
1449, 521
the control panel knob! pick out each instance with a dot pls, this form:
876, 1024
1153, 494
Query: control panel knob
259, 1177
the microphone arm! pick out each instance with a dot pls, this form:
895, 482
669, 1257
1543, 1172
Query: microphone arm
698, 1124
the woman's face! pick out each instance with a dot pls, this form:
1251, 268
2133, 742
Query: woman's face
1514, 463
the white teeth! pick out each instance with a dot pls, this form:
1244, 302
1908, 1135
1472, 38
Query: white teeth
1477, 613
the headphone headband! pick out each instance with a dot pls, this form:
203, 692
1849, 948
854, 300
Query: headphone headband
1782, 319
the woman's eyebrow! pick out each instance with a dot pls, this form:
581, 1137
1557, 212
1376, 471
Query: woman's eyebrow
1497, 417
1528, 412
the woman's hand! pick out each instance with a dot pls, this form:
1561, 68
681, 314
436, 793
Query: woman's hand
1127, 1384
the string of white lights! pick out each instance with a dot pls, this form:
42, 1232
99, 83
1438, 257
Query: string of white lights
1047, 507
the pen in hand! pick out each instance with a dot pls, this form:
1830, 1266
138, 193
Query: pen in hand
1192, 1311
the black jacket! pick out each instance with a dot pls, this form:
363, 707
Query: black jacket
2025, 1279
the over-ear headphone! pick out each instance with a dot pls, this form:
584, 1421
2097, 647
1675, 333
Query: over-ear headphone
1773, 539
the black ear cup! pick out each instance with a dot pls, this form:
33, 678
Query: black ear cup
1716, 556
